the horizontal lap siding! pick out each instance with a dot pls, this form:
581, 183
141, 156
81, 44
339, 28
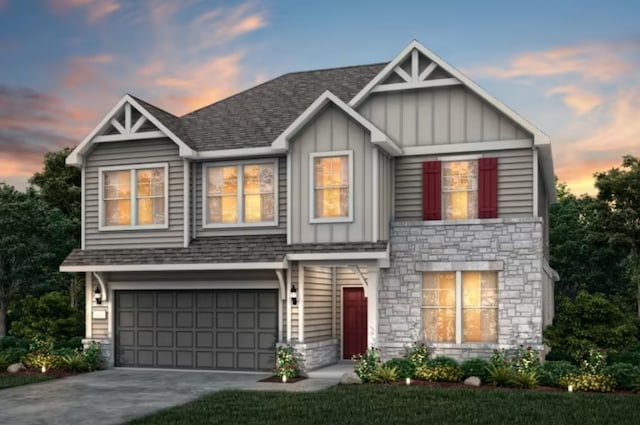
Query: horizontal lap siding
317, 304
515, 184
133, 153
436, 116
281, 228
100, 327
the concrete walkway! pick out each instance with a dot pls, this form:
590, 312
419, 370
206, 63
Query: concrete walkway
117, 395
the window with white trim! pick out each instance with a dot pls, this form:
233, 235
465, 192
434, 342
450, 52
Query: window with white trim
460, 307
331, 197
460, 190
133, 197
241, 194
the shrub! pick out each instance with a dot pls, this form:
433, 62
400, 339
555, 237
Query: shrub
594, 361
624, 374
524, 380
556, 355
499, 359
14, 354
443, 361
589, 382
636, 386
4, 362
49, 316
74, 343
550, 372
500, 376
440, 373
629, 357
73, 362
287, 361
405, 368
384, 375
588, 322
93, 356
418, 354
9, 342
525, 360
40, 354
476, 367
367, 363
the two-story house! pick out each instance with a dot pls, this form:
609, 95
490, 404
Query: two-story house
371, 205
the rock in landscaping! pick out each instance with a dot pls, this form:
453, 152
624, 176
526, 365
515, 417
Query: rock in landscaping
16, 367
350, 378
472, 381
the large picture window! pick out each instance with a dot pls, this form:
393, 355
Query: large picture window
241, 194
460, 307
331, 197
133, 197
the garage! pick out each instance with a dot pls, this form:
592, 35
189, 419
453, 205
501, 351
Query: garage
199, 329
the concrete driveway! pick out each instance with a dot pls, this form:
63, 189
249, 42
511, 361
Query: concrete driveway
118, 395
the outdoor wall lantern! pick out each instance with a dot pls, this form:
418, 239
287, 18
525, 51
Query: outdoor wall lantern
294, 295
97, 295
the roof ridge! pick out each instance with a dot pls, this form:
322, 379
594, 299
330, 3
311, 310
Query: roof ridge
151, 104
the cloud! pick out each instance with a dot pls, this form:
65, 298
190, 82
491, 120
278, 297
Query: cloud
580, 100
95, 10
3, 4
81, 71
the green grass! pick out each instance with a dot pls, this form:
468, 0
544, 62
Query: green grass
8, 381
373, 405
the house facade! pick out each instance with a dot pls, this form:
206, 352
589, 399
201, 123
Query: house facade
332, 210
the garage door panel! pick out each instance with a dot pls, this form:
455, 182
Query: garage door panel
204, 329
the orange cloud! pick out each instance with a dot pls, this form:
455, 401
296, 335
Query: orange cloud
579, 175
82, 71
580, 100
600, 62
95, 9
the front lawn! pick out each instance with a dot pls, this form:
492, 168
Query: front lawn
8, 380
383, 404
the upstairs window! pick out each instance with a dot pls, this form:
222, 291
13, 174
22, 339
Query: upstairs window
241, 194
458, 190
331, 194
133, 197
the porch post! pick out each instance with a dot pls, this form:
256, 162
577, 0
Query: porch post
372, 306
88, 305
300, 303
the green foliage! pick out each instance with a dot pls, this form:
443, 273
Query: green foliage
418, 354
405, 368
287, 361
15, 354
73, 362
74, 343
384, 375
367, 363
550, 372
589, 382
93, 356
525, 360
624, 374
594, 362
4, 362
501, 376
49, 316
442, 361
629, 357
13, 342
440, 373
588, 322
40, 354
636, 386
476, 367
557, 355
524, 380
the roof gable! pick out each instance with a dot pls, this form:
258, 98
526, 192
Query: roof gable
130, 120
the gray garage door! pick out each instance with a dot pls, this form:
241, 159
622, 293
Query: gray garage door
197, 329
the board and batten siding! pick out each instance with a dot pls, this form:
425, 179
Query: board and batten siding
437, 116
133, 153
515, 184
281, 228
318, 283
331, 131
385, 193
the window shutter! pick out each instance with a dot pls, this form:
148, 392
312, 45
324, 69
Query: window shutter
431, 190
488, 188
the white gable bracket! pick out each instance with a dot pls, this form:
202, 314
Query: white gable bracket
378, 137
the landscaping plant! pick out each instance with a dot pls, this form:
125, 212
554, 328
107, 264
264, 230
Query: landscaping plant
550, 372
405, 368
418, 354
440, 373
591, 376
287, 362
624, 374
476, 367
384, 375
367, 363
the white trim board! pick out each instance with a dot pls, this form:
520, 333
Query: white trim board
186, 285
173, 267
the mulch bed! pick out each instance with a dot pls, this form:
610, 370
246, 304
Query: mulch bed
278, 380
50, 373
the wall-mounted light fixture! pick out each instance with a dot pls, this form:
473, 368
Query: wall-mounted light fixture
294, 295
97, 295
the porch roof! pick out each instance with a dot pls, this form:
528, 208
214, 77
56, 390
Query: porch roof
228, 252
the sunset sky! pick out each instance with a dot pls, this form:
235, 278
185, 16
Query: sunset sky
570, 67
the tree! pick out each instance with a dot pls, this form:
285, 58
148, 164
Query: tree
34, 239
619, 188
49, 316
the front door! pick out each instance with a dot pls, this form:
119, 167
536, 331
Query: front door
354, 322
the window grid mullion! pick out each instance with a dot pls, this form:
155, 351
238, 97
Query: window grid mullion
240, 194
134, 199
458, 307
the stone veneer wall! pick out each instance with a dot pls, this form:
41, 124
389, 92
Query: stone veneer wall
513, 246
318, 354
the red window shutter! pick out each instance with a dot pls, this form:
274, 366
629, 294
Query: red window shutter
431, 190
488, 188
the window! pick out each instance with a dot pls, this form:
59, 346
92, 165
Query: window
460, 189
470, 317
241, 194
331, 179
133, 197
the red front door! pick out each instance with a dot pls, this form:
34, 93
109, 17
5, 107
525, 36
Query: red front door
354, 322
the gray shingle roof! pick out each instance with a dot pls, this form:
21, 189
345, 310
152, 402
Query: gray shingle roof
255, 117
227, 249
